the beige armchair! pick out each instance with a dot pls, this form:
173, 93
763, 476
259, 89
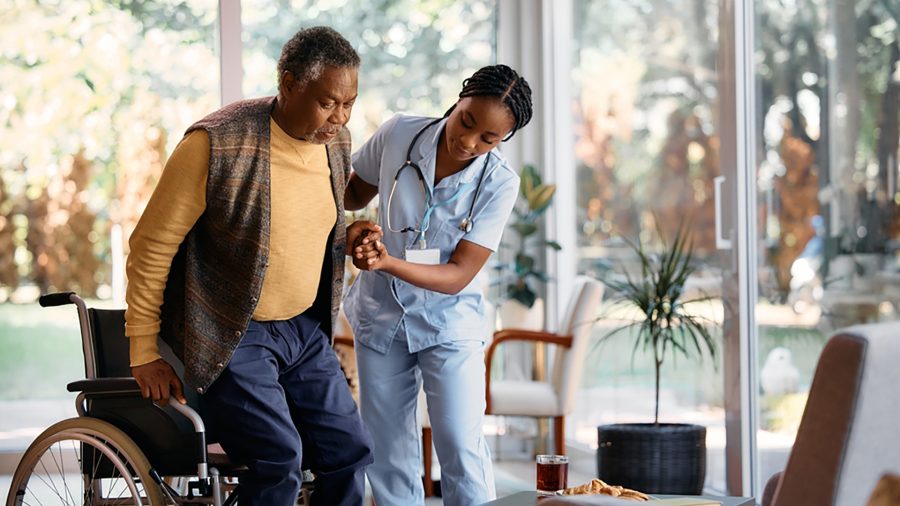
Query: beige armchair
556, 398
847, 437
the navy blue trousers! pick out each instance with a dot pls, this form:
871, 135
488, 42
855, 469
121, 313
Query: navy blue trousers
283, 402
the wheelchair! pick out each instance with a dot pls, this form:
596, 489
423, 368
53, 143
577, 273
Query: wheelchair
123, 449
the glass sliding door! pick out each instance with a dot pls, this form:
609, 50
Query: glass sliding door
648, 122
828, 107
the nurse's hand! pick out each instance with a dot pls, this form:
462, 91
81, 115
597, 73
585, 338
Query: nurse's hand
370, 256
362, 232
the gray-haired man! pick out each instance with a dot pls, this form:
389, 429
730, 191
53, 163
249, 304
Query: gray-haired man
237, 263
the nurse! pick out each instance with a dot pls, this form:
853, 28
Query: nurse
417, 308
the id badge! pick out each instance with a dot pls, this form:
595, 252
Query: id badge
424, 256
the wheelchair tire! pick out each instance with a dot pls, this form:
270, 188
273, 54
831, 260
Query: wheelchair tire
82, 461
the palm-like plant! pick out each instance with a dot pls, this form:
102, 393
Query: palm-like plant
658, 293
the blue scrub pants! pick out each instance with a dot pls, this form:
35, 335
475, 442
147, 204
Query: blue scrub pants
453, 377
281, 402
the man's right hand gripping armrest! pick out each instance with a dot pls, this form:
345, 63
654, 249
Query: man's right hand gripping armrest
154, 375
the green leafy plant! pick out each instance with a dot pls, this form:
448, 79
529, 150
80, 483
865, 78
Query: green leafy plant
536, 197
658, 293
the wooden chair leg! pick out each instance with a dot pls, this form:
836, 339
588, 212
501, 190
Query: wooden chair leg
559, 434
426, 461
500, 421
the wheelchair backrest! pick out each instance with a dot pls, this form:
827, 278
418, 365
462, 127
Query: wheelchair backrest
111, 348
111, 357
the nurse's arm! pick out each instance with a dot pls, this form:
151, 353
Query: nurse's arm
465, 262
358, 193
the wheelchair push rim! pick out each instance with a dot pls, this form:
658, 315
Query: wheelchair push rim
83, 461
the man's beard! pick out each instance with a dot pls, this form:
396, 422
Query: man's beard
321, 136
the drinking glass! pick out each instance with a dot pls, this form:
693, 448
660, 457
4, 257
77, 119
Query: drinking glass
552, 474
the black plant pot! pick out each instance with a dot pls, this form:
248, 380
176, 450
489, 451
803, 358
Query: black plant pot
653, 458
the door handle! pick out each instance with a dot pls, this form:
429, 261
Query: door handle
721, 242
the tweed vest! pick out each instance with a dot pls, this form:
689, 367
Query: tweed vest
217, 275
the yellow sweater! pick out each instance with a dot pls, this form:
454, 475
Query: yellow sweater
302, 215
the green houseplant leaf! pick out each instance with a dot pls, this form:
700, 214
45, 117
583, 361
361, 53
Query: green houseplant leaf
666, 324
518, 275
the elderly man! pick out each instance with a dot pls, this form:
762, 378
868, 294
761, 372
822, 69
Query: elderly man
237, 263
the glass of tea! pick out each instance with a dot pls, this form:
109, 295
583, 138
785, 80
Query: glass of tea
552, 474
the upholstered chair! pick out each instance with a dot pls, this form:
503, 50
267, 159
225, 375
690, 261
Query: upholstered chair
555, 398
849, 435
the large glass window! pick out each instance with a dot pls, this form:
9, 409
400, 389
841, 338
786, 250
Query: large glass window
646, 92
828, 109
94, 97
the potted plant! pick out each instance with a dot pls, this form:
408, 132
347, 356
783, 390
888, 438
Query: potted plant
521, 303
659, 457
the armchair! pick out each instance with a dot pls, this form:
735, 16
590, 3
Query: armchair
556, 398
847, 437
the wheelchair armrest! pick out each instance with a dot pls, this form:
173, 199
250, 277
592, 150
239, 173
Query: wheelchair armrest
121, 388
129, 386
105, 386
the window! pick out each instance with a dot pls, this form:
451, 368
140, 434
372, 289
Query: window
95, 96
646, 92
414, 55
828, 109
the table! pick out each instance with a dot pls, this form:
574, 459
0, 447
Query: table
529, 498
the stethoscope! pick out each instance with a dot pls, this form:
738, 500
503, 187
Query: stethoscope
467, 222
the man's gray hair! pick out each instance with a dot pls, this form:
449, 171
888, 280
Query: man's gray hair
312, 49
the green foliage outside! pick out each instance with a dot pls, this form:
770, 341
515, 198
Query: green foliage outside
41, 351
104, 90
415, 54
782, 413
648, 86
646, 90
93, 90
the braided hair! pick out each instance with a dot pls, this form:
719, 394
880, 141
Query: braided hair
504, 83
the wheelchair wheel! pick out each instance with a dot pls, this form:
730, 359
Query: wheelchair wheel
83, 461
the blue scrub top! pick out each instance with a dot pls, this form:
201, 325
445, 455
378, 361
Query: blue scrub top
382, 308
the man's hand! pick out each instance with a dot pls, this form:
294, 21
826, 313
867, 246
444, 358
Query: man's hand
158, 381
362, 232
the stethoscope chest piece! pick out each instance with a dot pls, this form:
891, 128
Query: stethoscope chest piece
467, 222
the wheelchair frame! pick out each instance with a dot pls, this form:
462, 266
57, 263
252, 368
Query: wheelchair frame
111, 417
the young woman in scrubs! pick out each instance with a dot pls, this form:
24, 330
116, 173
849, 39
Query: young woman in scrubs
417, 308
